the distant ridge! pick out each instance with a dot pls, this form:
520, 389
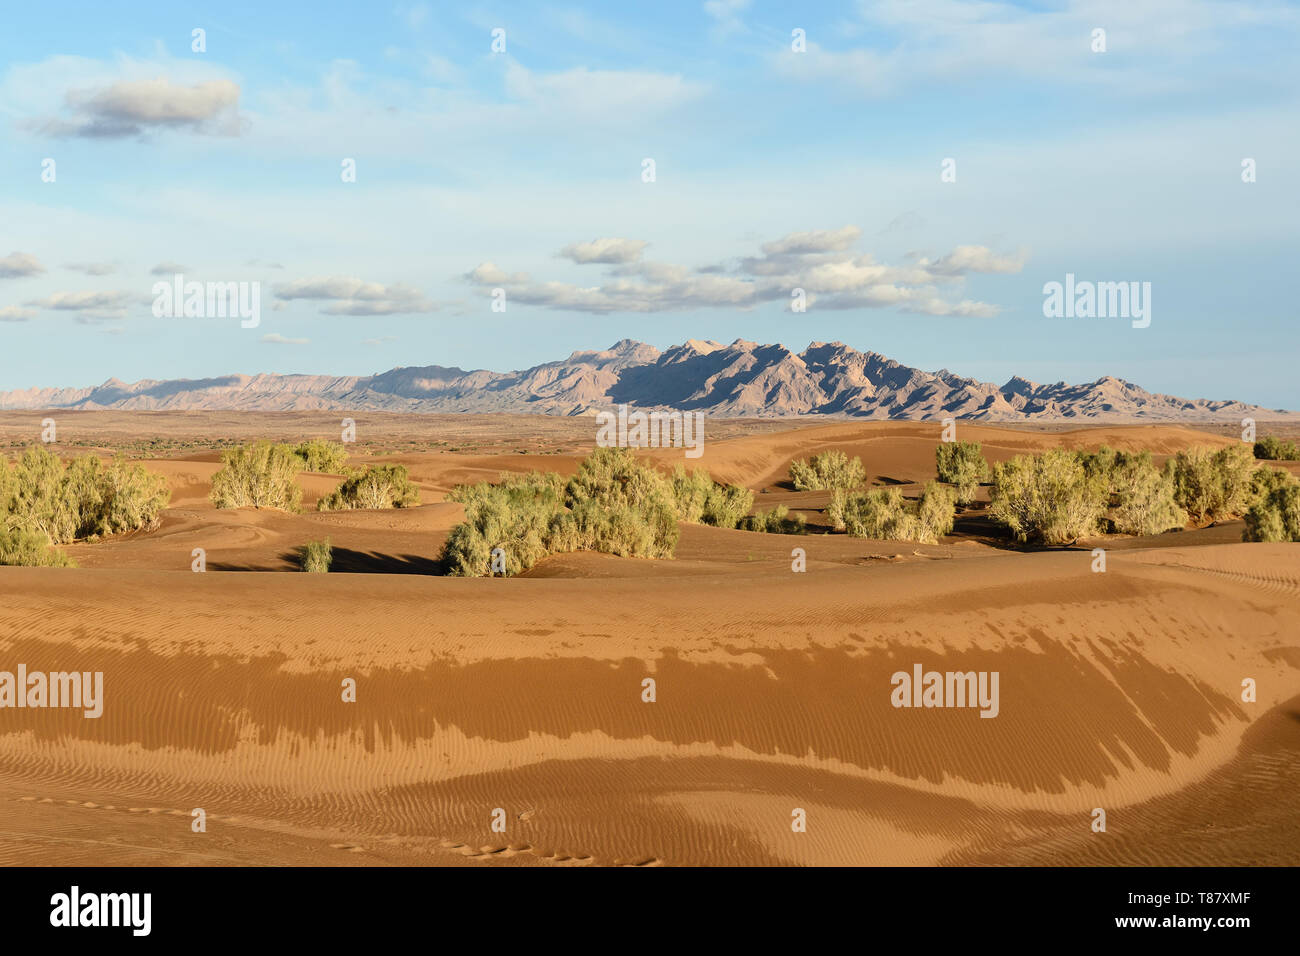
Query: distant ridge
743, 378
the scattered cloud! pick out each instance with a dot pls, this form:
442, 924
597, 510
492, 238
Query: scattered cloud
820, 263
132, 107
12, 313
82, 301
275, 338
167, 269
92, 268
19, 264
380, 340
605, 250
355, 297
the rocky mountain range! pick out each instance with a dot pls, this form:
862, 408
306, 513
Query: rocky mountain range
743, 378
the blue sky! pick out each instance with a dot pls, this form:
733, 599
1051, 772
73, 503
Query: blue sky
774, 169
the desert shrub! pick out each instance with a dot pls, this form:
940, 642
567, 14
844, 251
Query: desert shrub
316, 556
516, 518
260, 475
960, 463
374, 486
727, 505
1275, 515
1141, 496
30, 549
1213, 484
1049, 497
613, 505
777, 521
321, 455
611, 478
1264, 480
829, 470
698, 499
40, 496
690, 493
885, 514
1274, 449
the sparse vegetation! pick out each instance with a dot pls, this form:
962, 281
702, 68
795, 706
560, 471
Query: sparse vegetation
778, 520
613, 505
86, 499
828, 471
374, 486
316, 556
885, 514
961, 464
321, 455
1274, 449
1213, 484
1275, 514
1049, 498
260, 475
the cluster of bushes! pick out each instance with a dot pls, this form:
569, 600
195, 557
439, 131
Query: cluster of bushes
778, 520
321, 455
1139, 498
701, 500
260, 475
613, 504
374, 486
44, 503
828, 471
886, 515
1273, 449
316, 556
1274, 515
264, 475
1059, 496
30, 550
960, 463
1213, 484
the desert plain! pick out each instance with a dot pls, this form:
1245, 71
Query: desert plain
520, 700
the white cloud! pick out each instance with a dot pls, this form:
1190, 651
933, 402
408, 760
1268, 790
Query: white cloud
131, 107
354, 297
19, 264
167, 269
12, 313
604, 250
819, 262
82, 301
275, 338
92, 268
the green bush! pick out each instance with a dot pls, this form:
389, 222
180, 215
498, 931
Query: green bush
884, 513
38, 495
322, 455
1140, 497
1213, 484
374, 486
316, 556
1273, 449
613, 505
515, 517
960, 463
29, 549
260, 475
1049, 497
829, 470
1275, 515
777, 521
699, 499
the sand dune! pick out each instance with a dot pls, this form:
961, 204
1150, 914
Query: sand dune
1119, 690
